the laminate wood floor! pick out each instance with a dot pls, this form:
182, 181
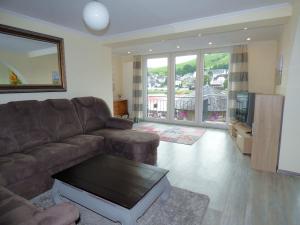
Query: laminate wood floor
238, 194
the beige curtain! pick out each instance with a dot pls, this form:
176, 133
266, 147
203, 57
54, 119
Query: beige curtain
238, 78
137, 94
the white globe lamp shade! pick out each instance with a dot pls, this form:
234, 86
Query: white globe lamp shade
95, 15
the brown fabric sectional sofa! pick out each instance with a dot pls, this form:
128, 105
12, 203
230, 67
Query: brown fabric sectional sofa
119, 139
40, 138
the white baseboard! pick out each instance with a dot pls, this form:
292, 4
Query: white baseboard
288, 173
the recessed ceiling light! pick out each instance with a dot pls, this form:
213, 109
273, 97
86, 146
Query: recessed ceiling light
248, 39
245, 28
129, 52
178, 46
210, 43
150, 50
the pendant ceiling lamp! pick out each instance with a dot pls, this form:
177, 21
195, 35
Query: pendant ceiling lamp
95, 15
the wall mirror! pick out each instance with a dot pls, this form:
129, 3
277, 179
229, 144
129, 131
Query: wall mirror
30, 61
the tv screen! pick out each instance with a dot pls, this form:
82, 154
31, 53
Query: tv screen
242, 106
251, 106
245, 107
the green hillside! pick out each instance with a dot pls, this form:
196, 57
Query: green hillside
216, 61
212, 61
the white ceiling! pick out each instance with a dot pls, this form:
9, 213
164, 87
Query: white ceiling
130, 15
191, 43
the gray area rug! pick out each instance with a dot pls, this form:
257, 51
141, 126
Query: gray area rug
182, 208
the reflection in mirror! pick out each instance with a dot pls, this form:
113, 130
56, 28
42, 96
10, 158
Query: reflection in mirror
30, 61
24, 61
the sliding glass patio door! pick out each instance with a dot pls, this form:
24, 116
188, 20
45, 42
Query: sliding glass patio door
187, 88
157, 76
215, 87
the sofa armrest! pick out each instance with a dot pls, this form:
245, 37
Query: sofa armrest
118, 123
62, 214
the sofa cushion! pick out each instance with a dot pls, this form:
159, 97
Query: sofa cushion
16, 167
118, 123
8, 141
89, 142
14, 210
21, 127
32, 186
92, 112
60, 119
127, 136
133, 145
52, 155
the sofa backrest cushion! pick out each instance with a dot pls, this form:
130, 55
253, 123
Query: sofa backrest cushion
8, 142
20, 127
92, 112
60, 119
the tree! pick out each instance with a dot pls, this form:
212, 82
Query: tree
225, 84
220, 66
206, 79
179, 71
188, 68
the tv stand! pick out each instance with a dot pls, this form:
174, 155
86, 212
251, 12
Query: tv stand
242, 135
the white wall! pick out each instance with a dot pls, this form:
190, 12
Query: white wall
123, 78
128, 83
88, 63
285, 50
290, 142
117, 76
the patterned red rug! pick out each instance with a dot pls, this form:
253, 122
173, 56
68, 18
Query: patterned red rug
170, 133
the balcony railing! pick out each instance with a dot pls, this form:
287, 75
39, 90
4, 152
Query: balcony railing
213, 104
157, 107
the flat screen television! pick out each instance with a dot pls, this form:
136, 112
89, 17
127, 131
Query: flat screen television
245, 107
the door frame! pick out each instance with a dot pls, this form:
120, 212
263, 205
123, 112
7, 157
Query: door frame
145, 87
171, 88
218, 125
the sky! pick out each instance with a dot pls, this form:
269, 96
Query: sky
162, 62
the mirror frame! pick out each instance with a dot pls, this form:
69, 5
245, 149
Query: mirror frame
61, 61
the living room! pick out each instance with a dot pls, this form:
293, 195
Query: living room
163, 91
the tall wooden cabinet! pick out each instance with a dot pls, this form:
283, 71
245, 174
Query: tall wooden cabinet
266, 132
263, 59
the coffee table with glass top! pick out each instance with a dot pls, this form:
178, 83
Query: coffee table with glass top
118, 189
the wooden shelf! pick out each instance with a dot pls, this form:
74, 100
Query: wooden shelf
241, 135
